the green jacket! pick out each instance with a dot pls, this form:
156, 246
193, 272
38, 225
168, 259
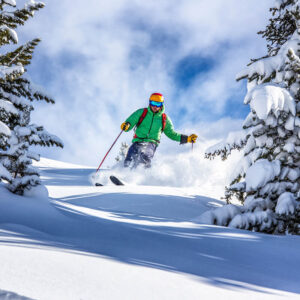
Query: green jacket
151, 128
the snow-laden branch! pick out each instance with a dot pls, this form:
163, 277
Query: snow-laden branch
267, 98
234, 140
267, 66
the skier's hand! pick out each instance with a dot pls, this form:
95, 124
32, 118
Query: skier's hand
125, 126
192, 138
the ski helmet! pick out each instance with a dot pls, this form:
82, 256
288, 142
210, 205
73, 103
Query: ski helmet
157, 97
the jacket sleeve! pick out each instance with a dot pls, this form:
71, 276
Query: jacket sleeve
134, 118
172, 134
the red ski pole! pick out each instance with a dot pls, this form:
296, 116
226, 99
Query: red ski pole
109, 151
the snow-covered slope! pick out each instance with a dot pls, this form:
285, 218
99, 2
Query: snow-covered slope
132, 242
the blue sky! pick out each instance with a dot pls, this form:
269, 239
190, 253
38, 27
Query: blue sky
101, 61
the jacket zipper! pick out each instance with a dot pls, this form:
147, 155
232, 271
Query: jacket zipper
150, 125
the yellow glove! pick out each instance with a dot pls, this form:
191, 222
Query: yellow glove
192, 138
125, 126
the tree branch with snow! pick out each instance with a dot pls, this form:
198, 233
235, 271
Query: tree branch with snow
267, 179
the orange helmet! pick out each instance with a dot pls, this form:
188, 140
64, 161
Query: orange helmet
157, 97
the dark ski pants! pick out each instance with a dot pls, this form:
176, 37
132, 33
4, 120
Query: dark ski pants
140, 153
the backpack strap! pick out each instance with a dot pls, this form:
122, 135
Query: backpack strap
142, 117
164, 121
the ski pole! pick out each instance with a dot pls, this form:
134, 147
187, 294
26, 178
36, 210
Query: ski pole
109, 151
192, 146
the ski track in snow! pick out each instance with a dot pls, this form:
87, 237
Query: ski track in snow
133, 242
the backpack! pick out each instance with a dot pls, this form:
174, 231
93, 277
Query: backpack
142, 117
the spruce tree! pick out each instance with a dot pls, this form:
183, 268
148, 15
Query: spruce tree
267, 178
122, 152
17, 94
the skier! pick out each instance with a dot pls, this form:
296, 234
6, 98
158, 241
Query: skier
149, 123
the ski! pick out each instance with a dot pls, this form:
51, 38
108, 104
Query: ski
116, 180
113, 179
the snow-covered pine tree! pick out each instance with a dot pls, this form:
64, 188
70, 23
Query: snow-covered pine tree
16, 97
267, 178
122, 152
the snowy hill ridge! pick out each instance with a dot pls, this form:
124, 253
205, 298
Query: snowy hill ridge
132, 242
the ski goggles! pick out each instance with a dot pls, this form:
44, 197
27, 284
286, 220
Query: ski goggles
155, 103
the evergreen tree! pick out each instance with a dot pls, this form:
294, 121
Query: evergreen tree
122, 153
17, 94
267, 178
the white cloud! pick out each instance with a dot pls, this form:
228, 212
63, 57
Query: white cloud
106, 57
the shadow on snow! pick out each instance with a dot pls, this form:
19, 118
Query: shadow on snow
222, 256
